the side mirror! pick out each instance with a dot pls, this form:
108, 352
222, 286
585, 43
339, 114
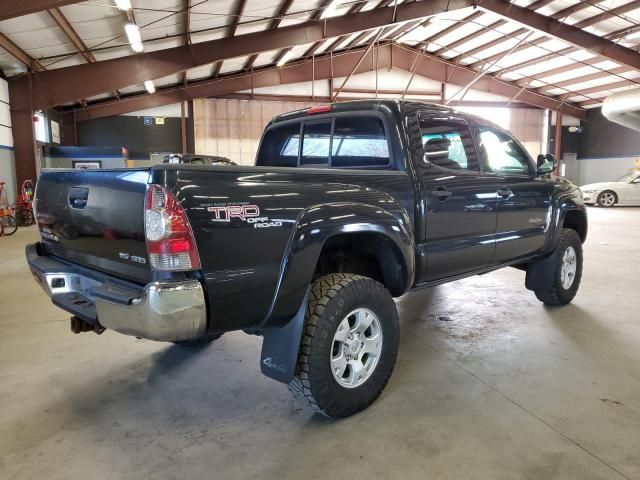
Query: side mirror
546, 163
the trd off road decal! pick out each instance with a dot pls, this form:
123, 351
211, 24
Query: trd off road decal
244, 212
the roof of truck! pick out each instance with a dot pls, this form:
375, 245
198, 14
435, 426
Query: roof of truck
365, 104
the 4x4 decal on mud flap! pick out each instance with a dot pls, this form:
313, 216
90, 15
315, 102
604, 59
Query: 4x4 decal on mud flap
245, 212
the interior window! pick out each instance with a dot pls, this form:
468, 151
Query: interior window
280, 146
502, 154
316, 142
448, 144
359, 142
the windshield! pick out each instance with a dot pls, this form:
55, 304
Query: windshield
628, 177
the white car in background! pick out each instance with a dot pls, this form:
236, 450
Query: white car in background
625, 191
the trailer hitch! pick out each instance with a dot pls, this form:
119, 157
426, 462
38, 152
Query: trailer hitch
78, 325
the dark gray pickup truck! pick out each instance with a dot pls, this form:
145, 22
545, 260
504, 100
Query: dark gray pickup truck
349, 205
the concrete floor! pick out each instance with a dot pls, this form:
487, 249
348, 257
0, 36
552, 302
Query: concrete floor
489, 385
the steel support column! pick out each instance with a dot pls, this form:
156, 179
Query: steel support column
24, 140
557, 148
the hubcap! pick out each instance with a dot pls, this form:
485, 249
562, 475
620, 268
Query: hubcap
607, 199
568, 269
356, 348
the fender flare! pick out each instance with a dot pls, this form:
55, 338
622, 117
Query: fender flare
561, 206
317, 224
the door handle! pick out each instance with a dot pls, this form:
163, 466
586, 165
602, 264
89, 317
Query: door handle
441, 192
505, 192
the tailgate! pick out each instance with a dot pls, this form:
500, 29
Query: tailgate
95, 218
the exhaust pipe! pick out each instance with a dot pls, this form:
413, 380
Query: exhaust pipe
79, 326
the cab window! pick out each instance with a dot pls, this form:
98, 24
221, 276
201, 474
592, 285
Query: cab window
338, 142
501, 154
280, 146
448, 144
359, 142
316, 142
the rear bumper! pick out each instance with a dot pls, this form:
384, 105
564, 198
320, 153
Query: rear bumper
162, 311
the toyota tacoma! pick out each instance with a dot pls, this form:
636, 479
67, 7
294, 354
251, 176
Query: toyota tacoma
348, 206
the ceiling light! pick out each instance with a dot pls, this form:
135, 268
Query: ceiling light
285, 58
151, 88
123, 4
133, 35
331, 9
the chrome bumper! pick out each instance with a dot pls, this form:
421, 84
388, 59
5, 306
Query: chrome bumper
162, 311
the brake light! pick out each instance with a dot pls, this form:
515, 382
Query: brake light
170, 240
319, 109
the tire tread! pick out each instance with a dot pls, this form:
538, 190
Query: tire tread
554, 294
322, 291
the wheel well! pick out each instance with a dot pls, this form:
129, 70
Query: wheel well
576, 220
373, 255
609, 191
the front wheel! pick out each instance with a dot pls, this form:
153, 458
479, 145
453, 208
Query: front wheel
349, 345
567, 273
607, 199
9, 224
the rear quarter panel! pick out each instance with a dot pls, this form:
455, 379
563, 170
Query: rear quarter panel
257, 268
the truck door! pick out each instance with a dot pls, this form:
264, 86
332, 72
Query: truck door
460, 200
523, 198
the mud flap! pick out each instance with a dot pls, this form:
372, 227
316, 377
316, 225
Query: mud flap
540, 273
281, 345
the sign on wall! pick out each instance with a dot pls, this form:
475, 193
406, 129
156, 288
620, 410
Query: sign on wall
86, 165
55, 132
148, 120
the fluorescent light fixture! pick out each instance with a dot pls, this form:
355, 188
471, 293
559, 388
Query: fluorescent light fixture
331, 9
151, 88
285, 58
133, 35
123, 4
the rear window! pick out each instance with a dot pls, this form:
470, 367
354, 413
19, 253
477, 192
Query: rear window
280, 146
340, 142
359, 142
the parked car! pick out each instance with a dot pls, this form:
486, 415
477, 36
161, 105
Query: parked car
625, 191
196, 159
349, 205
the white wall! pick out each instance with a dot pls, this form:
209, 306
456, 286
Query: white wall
232, 128
7, 162
593, 170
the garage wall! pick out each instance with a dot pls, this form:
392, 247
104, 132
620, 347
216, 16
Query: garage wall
232, 128
606, 151
7, 160
132, 132
603, 139
594, 170
526, 124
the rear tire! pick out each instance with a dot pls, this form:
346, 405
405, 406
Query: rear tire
349, 345
206, 339
607, 199
567, 273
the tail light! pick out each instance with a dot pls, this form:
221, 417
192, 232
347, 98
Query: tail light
170, 240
